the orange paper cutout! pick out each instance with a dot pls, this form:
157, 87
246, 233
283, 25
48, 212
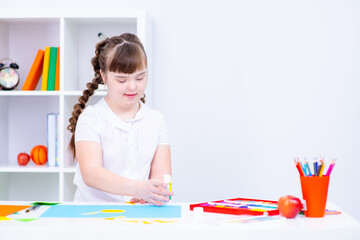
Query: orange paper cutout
10, 209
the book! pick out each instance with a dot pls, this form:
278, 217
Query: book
52, 69
57, 75
45, 72
57, 141
52, 138
35, 72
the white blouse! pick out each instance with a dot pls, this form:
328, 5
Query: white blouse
128, 146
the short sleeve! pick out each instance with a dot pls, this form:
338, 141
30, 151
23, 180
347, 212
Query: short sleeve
163, 132
86, 128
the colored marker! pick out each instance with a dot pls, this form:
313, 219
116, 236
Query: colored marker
167, 181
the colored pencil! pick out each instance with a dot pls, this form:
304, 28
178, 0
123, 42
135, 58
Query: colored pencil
308, 168
316, 167
303, 168
321, 169
330, 168
297, 164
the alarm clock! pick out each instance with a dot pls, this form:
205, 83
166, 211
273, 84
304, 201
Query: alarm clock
9, 76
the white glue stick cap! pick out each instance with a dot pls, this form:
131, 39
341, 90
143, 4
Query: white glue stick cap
167, 178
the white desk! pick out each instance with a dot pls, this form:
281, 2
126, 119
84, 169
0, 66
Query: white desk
190, 226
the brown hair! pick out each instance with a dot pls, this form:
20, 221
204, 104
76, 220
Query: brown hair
124, 54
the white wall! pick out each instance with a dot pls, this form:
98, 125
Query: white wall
248, 85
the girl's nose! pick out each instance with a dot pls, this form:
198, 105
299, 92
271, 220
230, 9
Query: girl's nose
132, 85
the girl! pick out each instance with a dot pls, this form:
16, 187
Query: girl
121, 145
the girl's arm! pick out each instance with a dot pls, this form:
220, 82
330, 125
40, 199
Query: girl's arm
161, 163
89, 155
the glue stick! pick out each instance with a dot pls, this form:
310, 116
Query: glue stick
167, 181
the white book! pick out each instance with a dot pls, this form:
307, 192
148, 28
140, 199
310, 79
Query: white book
51, 138
57, 140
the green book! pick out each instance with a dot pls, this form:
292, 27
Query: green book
52, 69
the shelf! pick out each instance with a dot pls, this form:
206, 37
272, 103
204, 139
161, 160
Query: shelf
20, 93
28, 169
23, 113
34, 169
21, 20
25, 16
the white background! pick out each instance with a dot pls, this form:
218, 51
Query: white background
246, 86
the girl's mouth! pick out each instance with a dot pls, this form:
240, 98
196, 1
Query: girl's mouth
130, 95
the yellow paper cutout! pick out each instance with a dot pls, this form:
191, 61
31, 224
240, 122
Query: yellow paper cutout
89, 213
105, 211
113, 218
161, 221
112, 211
3, 218
145, 222
133, 221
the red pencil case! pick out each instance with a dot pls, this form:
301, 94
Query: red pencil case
239, 206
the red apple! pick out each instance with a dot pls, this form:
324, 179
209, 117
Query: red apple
23, 158
289, 206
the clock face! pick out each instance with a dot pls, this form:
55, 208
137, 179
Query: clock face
9, 78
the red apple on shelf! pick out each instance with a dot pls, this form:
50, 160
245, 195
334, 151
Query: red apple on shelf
23, 159
289, 206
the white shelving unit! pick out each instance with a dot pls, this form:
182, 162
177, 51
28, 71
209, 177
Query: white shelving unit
23, 113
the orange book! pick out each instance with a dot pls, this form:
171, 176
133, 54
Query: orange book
35, 72
57, 75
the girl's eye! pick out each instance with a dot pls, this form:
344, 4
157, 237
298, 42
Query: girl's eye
139, 79
121, 81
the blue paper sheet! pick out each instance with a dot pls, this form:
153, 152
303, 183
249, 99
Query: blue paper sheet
109, 211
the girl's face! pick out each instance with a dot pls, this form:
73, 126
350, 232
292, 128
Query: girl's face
126, 89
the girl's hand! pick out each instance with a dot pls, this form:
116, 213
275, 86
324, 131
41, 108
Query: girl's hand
153, 191
136, 200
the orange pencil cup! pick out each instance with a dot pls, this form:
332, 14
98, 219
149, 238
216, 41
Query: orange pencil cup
314, 190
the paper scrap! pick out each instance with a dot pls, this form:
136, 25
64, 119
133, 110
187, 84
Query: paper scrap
3, 218
6, 210
26, 219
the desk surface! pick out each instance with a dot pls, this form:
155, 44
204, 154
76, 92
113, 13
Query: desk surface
190, 226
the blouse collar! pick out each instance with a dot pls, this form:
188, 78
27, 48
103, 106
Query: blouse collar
115, 121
